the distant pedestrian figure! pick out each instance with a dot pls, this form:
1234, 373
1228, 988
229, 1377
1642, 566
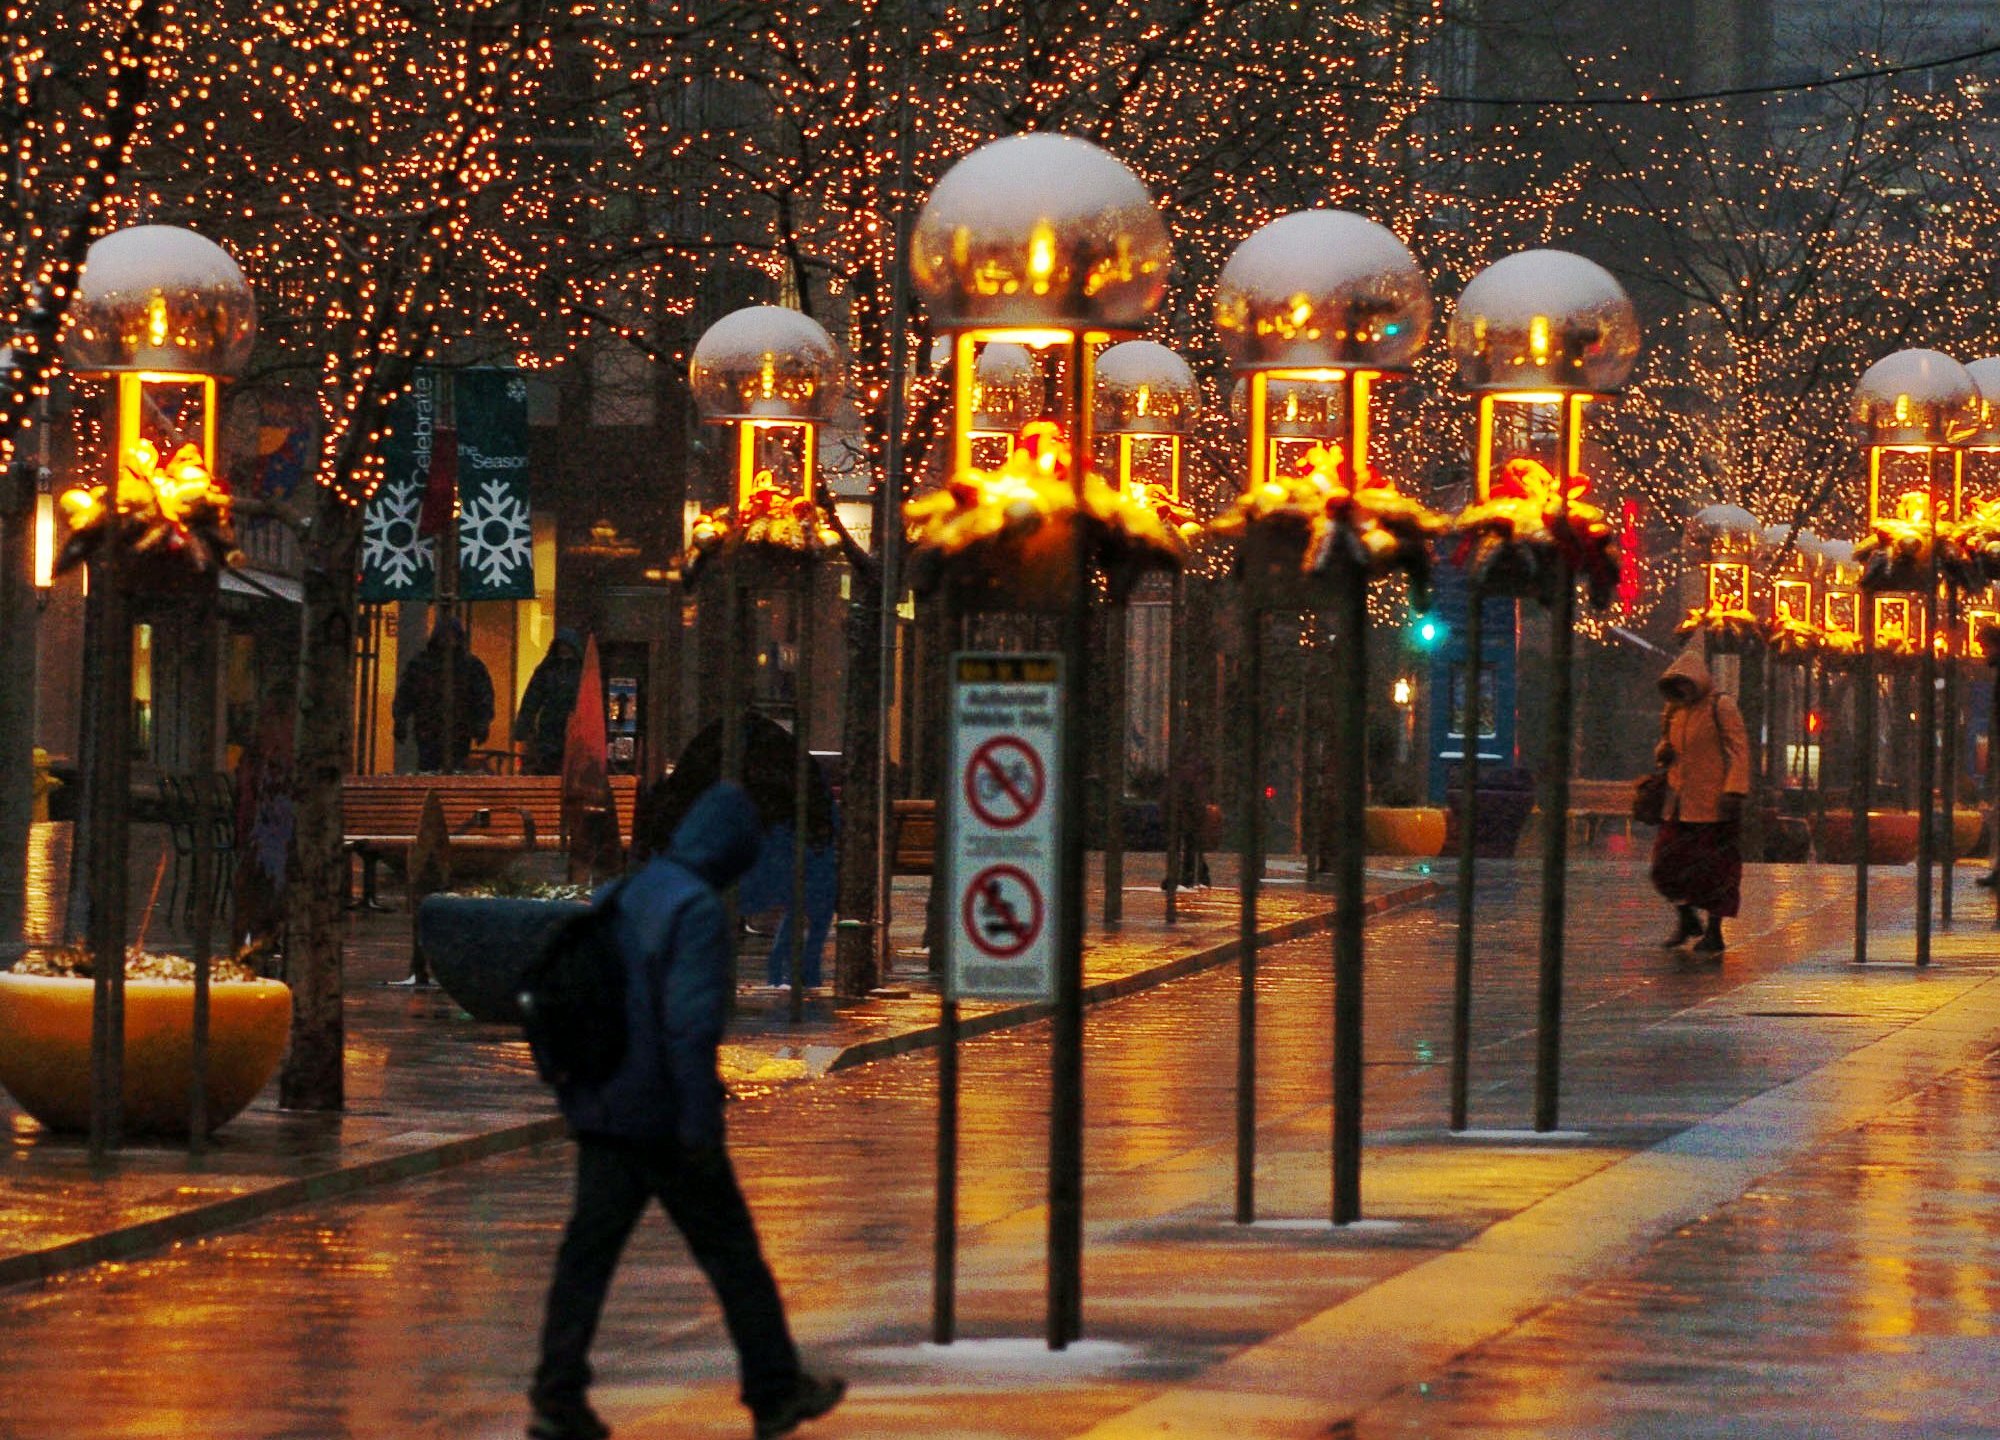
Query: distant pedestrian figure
419, 708
1697, 859
654, 1131
543, 719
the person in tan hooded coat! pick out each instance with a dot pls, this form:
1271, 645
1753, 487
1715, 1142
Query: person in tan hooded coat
1697, 864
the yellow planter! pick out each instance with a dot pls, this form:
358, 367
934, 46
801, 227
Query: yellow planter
1412, 831
45, 1048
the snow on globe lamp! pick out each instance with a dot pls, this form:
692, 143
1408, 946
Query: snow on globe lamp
1538, 337
1913, 412
163, 314
1046, 242
1313, 309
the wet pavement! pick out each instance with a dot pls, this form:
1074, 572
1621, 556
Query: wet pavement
1773, 1212
427, 1087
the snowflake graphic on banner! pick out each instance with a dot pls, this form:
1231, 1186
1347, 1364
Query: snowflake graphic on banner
495, 535
391, 550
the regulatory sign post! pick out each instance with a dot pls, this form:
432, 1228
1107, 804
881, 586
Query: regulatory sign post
1001, 878
1003, 819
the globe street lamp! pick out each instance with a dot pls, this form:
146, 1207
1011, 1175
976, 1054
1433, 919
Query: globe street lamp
775, 376
1539, 337
1145, 402
1048, 242
163, 314
1327, 298
1912, 411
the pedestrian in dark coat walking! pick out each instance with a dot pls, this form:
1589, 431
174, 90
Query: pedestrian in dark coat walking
542, 722
654, 1131
1697, 860
419, 705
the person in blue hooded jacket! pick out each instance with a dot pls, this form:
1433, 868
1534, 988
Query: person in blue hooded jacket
654, 1131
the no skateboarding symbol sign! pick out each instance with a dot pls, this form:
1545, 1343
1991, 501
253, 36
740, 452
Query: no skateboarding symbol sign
1002, 911
1006, 782
1002, 834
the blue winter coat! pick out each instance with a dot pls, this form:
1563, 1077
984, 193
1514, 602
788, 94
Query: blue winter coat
679, 979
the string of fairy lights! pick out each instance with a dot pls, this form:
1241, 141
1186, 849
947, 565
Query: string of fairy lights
550, 185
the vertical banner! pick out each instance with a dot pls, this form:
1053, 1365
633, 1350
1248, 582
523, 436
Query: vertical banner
496, 552
398, 558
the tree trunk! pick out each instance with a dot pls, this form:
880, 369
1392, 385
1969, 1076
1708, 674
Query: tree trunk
315, 922
861, 749
17, 694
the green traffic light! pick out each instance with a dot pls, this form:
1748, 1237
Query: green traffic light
1430, 633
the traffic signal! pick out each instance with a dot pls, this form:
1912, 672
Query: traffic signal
1428, 632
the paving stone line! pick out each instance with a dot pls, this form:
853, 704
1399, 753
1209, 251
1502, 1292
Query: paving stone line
126, 1241
1410, 1326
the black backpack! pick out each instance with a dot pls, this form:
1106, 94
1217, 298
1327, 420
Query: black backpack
572, 998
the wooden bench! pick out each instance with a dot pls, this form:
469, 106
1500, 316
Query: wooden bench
1598, 805
912, 845
488, 819
912, 836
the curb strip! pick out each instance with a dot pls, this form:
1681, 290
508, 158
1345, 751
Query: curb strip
196, 1222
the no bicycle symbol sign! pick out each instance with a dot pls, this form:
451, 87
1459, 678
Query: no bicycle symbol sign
1002, 833
1006, 782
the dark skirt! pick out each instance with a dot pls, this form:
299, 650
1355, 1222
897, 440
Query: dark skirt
1699, 865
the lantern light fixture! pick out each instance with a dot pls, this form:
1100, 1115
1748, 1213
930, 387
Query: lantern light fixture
1042, 235
1322, 297
1730, 538
1147, 399
775, 374
1541, 330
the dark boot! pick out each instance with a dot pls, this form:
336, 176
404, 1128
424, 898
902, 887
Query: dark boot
1711, 939
1687, 925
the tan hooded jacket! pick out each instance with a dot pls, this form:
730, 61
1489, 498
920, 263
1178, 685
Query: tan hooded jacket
1711, 748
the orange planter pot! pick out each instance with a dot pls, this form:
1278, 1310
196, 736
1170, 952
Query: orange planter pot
1892, 837
45, 1049
1413, 830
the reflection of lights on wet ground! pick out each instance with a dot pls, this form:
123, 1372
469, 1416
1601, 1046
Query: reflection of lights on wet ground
47, 879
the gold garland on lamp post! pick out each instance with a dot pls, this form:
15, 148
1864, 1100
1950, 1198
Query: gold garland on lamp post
161, 313
775, 376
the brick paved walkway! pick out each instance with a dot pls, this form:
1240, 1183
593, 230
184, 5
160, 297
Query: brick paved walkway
1723, 1249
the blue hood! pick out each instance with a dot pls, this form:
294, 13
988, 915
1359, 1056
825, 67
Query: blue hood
719, 838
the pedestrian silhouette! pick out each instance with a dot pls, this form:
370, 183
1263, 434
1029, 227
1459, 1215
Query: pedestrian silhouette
654, 1130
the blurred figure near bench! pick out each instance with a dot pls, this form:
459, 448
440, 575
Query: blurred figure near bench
419, 708
543, 719
768, 761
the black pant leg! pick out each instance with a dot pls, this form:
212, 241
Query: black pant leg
611, 1189
702, 1198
